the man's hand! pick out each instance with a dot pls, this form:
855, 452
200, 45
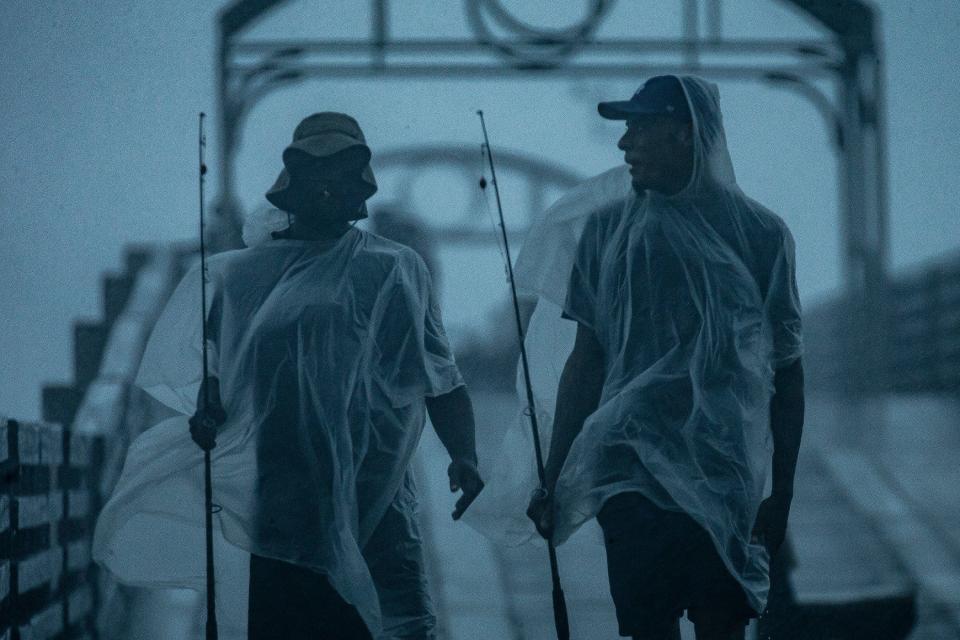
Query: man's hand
540, 511
770, 528
465, 477
209, 416
451, 415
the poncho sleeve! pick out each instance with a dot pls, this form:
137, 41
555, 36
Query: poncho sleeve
581, 299
553, 241
172, 362
413, 355
783, 304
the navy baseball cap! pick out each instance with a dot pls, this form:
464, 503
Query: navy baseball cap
660, 95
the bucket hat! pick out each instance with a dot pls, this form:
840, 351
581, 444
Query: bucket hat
326, 139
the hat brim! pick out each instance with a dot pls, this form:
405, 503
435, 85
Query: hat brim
626, 109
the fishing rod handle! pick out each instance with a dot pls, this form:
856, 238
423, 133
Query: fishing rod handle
560, 619
211, 628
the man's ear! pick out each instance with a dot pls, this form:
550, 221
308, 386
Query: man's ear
685, 134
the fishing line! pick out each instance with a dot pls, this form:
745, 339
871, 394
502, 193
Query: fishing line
486, 205
560, 617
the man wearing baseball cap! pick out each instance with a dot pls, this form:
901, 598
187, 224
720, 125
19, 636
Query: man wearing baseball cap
685, 379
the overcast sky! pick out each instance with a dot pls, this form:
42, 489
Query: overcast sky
99, 104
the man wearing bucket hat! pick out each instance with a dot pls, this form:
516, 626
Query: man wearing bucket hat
324, 186
684, 379
327, 352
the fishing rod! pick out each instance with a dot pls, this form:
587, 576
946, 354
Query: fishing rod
559, 601
209, 423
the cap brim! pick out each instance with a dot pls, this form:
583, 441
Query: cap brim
624, 110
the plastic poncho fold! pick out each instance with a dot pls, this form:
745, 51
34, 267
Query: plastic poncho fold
324, 352
693, 299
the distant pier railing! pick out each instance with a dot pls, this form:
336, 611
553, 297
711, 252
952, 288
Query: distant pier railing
921, 350
924, 320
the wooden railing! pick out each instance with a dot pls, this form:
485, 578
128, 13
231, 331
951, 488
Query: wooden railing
55, 479
48, 501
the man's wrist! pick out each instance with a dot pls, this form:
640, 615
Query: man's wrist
465, 458
550, 479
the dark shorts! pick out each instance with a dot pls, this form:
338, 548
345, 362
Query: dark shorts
292, 602
662, 563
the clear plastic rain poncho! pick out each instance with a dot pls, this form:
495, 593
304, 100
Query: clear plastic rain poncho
324, 351
694, 301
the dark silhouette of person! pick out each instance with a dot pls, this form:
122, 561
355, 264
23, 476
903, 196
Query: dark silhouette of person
330, 350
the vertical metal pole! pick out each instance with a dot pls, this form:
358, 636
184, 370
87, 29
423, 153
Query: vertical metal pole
714, 20
881, 222
226, 215
224, 120
380, 33
865, 351
691, 32
880, 159
851, 226
865, 223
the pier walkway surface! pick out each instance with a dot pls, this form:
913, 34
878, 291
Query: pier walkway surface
894, 461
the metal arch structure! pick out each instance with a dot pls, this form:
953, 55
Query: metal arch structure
848, 57
414, 161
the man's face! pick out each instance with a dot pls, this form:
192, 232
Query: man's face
659, 151
330, 192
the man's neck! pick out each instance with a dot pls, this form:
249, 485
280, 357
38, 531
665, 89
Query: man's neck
666, 189
323, 231
674, 187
